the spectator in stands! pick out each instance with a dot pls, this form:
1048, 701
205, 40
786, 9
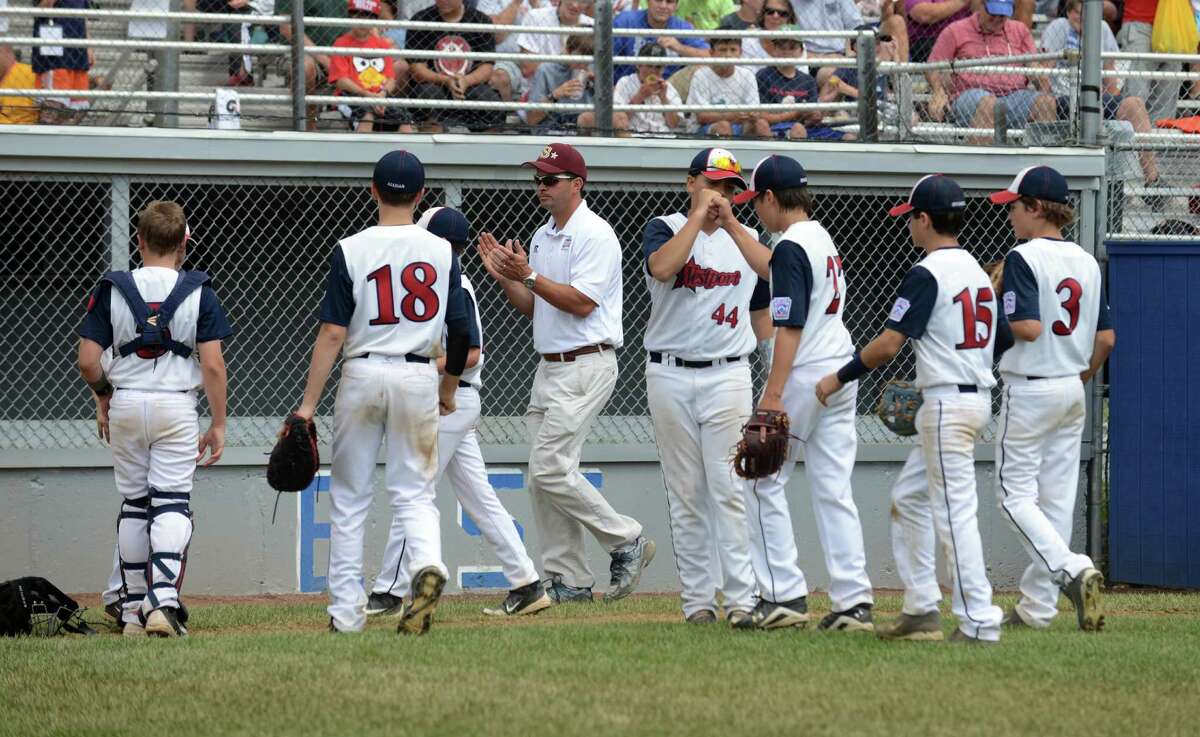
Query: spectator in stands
774, 15
506, 75
827, 15
728, 84
1175, 227
450, 78
659, 15
390, 10
972, 96
16, 75
843, 84
567, 83
1063, 33
926, 21
62, 67
369, 76
785, 84
512, 79
1161, 95
647, 87
704, 14
887, 17
744, 19
315, 65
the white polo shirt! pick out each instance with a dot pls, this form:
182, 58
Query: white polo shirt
586, 255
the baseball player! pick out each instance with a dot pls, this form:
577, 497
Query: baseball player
808, 297
1055, 304
391, 291
157, 320
570, 286
947, 305
460, 458
706, 306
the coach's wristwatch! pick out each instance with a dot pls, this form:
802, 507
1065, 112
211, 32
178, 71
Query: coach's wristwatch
530, 280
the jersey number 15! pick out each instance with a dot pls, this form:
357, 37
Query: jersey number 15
974, 313
420, 302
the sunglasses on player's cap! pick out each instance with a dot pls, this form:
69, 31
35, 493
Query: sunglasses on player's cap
716, 164
559, 158
448, 223
774, 172
399, 171
1038, 182
932, 193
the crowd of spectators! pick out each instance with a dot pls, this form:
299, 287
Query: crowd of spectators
781, 71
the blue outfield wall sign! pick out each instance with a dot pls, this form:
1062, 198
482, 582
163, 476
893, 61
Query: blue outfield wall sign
468, 576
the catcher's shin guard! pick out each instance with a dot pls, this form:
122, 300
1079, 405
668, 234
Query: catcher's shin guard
133, 545
170, 532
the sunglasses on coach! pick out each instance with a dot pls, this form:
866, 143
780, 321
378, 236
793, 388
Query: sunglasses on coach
551, 179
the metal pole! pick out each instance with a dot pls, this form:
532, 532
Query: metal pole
299, 85
166, 75
118, 213
1089, 73
868, 99
603, 54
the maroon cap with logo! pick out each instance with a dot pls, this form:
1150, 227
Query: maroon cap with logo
559, 158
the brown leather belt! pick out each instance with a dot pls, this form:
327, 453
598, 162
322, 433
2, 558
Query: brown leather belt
569, 356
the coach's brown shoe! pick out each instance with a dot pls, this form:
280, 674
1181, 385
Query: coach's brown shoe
427, 588
1084, 593
917, 627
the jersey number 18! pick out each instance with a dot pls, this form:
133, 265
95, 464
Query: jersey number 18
420, 302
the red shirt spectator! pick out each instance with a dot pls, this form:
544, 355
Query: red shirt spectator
1140, 11
927, 19
966, 39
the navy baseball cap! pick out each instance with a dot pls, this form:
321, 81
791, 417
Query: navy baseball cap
1038, 182
774, 172
399, 171
999, 7
716, 164
448, 223
932, 193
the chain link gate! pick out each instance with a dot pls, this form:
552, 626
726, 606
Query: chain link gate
266, 242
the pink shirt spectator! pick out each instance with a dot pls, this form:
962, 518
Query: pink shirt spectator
930, 30
965, 39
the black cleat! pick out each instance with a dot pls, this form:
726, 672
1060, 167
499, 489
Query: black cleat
770, 615
528, 599
855, 619
384, 604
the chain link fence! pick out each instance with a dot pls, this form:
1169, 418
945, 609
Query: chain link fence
266, 244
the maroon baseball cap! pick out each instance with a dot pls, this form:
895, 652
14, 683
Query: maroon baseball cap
559, 158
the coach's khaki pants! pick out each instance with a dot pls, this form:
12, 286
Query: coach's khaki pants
566, 398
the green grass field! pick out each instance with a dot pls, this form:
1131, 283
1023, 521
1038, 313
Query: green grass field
268, 667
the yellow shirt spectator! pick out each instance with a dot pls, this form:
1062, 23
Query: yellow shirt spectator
18, 110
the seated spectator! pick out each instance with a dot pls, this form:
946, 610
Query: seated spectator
727, 84
744, 19
704, 14
887, 17
450, 78
568, 83
784, 84
1175, 227
972, 96
1063, 33
390, 10
843, 84
506, 75
659, 15
775, 15
62, 67
926, 21
1161, 95
647, 87
15, 75
826, 15
368, 76
316, 66
510, 78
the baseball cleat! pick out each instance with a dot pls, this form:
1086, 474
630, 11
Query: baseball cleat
962, 638
114, 610
739, 619
133, 629
855, 619
163, 622
927, 627
426, 590
1084, 593
1014, 620
628, 561
770, 615
382, 603
561, 593
529, 599
704, 616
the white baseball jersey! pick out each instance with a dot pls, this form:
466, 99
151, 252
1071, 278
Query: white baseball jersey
1058, 283
704, 314
393, 287
198, 319
586, 255
947, 306
808, 290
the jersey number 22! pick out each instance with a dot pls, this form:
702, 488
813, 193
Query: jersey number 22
420, 302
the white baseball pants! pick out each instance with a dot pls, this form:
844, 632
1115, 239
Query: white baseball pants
460, 458
154, 438
698, 416
377, 396
830, 443
949, 423
1037, 479
566, 398
913, 539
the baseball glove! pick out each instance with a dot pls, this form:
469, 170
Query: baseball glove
764, 445
898, 407
995, 272
294, 459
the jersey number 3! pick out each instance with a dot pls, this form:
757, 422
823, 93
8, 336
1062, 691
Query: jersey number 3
1070, 304
420, 302
974, 313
